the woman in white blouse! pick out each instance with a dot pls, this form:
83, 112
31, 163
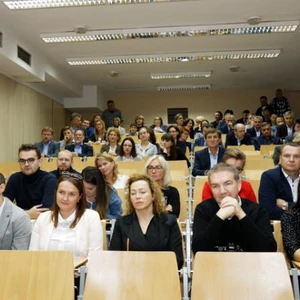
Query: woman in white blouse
145, 148
68, 226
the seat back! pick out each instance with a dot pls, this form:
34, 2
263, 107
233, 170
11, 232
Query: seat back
132, 275
32, 275
240, 275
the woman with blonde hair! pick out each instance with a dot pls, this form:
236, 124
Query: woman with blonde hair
157, 168
113, 138
99, 132
146, 227
109, 169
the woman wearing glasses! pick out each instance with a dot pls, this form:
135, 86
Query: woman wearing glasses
146, 226
157, 168
69, 225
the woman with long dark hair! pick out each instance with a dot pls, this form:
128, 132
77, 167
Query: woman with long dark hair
128, 151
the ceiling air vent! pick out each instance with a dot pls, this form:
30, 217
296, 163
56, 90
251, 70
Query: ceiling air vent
172, 88
24, 55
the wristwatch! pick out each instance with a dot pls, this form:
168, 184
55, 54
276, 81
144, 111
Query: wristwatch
285, 206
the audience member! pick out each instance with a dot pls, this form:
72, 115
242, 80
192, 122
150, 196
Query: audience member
68, 138
227, 222
179, 120
85, 124
64, 163
112, 147
255, 131
75, 123
14, 223
207, 158
110, 113
227, 125
169, 150
238, 137
109, 169
145, 148
90, 130
182, 143
139, 122
244, 120
99, 195
146, 226
236, 158
198, 132
263, 104
278, 186
189, 123
218, 119
32, 188
280, 104
157, 168
133, 130
290, 137
128, 151
200, 140
290, 224
174, 131
99, 134
158, 125
152, 138
250, 121
69, 226
267, 115
287, 128
48, 147
265, 138
79, 148
117, 125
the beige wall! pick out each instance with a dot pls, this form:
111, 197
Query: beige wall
198, 103
23, 114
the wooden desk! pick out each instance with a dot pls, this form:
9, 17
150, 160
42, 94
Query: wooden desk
121, 275
36, 275
79, 261
240, 276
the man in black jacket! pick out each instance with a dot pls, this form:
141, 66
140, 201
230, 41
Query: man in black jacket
238, 136
227, 222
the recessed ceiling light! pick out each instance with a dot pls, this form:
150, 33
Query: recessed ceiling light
181, 75
170, 32
172, 88
167, 58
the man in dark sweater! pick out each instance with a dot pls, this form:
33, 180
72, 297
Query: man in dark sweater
32, 188
64, 163
227, 222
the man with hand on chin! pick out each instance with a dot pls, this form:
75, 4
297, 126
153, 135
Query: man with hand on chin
227, 222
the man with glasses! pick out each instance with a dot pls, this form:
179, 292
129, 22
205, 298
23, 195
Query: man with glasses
227, 222
32, 189
237, 159
64, 163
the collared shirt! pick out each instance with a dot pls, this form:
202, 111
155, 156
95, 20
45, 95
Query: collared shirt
289, 130
258, 133
63, 237
2, 206
238, 141
213, 158
78, 149
150, 150
293, 184
45, 148
91, 205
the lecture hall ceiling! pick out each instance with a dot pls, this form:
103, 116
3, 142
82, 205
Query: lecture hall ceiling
50, 62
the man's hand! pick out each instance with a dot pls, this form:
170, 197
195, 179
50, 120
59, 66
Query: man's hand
230, 207
169, 207
35, 211
282, 204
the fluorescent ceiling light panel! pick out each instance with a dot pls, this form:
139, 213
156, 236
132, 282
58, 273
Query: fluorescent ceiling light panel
168, 58
172, 88
166, 32
34, 4
181, 75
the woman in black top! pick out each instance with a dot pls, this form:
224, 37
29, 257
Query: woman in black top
158, 170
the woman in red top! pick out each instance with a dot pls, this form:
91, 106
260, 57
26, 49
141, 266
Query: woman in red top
237, 159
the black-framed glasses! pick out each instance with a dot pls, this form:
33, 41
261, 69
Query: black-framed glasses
156, 168
75, 176
29, 161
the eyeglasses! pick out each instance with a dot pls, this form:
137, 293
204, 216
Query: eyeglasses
156, 168
75, 176
29, 161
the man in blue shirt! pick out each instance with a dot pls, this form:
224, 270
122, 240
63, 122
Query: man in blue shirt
48, 147
110, 113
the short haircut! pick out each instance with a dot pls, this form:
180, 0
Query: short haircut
287, 113
246, 111
133, 125
297, 121
224, 167
220, 113
264, 124
109, 101
67, 152
2, 178
30, 147
80, 129
258, 117
178, 116
234, 153
292, 144
263, 97
238, 125
75, 115
67, 128
212, 131
48, 128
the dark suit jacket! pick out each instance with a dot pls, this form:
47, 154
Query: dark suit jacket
282, 131
273, 185
231, 140
251, 132
224, 128
202, 161
87, 150
53, 148
105, 148
163, 234
260, 140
